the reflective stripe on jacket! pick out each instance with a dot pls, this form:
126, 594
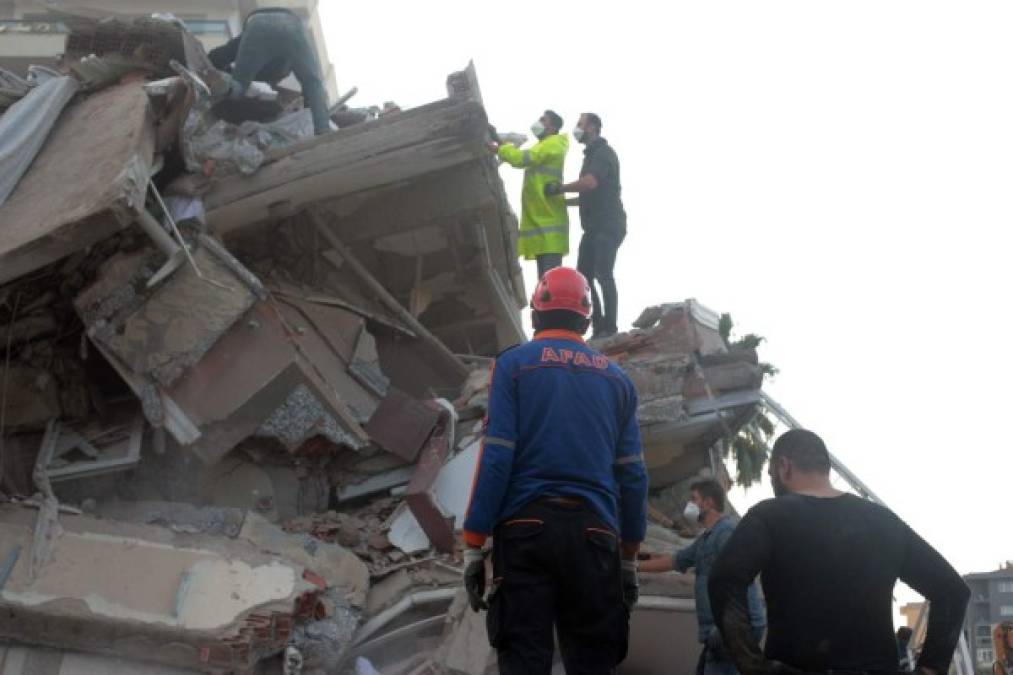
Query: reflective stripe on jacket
545, 224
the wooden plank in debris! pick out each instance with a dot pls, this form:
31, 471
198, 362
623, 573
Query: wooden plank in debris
398, 147
386, 298
84, 185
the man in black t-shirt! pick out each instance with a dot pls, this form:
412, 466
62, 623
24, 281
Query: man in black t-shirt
602, 218
828, 562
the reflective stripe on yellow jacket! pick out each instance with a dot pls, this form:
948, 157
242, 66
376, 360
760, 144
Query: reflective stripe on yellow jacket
545, 224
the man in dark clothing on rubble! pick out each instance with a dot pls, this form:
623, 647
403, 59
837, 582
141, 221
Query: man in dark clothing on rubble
274, 44
828, 562
603, 219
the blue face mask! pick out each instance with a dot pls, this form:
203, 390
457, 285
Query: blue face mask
538, 129
578, 134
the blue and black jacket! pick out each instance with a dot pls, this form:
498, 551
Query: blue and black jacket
562, 422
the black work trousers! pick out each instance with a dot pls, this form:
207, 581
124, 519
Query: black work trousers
596, 260
548, 261
557, 565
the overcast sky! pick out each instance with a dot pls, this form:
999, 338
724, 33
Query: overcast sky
835, 175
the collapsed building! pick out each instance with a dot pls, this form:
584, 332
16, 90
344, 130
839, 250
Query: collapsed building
245, 374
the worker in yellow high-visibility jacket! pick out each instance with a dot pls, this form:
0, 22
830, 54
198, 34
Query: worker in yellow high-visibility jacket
545, 225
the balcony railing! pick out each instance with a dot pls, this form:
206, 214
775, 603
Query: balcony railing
23, 26
199, 27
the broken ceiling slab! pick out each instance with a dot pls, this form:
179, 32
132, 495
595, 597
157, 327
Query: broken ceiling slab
391, 149
86, 183
414, 196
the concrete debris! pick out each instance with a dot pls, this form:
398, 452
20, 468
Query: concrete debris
216, 147
252, 410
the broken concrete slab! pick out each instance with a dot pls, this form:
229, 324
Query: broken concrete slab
388, 150
419, 496
401, 424
141, 592
86, 183
250, 374
179, 517
339, 567
25, 660
163, 331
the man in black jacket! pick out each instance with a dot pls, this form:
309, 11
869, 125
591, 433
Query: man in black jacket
272, 45
603, 219
828, 563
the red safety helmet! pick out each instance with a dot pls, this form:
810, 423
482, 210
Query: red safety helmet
562, 288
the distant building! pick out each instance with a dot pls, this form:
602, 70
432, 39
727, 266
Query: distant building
28, 33
991, 602
911, 612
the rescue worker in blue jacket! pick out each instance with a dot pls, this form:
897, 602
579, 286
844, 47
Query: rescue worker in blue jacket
562, 488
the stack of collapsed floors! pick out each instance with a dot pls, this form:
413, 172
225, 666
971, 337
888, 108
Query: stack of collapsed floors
242, 399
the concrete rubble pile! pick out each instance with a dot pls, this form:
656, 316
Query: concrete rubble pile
242, 392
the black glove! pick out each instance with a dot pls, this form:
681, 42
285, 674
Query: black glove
552, 189
474, 578
714, 641
631, 584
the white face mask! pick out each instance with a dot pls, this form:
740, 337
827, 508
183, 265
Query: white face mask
578, 134
538, 129
691, 512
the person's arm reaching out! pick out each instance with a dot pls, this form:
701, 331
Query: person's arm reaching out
928, 573
540, 154
492, 474
746, 552
596, 172
585, 183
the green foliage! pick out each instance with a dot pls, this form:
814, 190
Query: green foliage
749, 448
725, 325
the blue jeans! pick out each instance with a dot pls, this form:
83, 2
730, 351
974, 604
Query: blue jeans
279, 35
